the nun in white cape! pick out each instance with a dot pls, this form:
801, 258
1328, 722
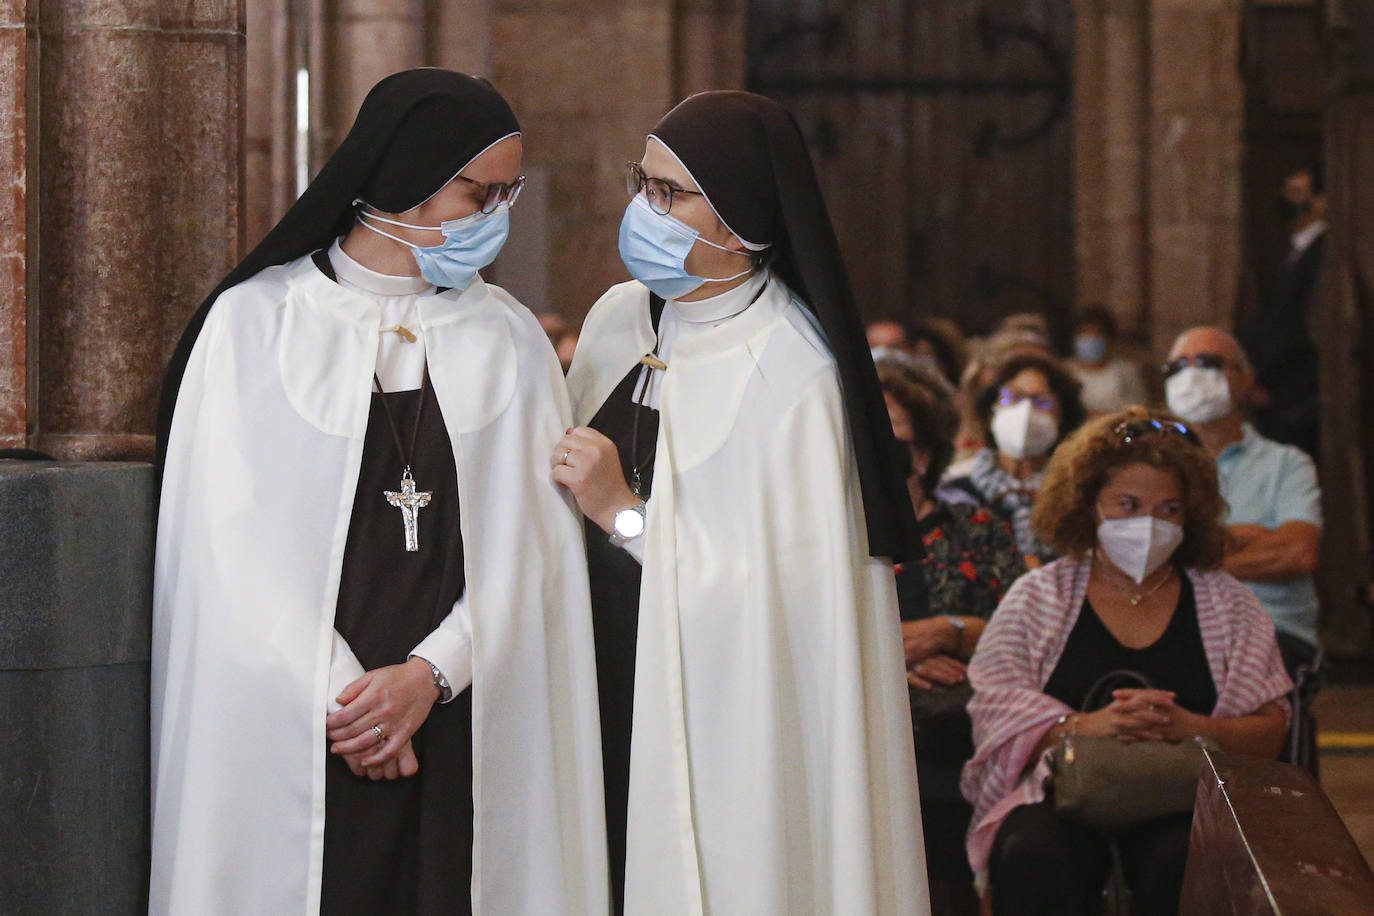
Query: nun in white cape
263, 423
766, 762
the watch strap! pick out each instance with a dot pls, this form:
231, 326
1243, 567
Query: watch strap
440, 682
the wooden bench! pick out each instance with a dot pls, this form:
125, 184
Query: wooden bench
1267, 840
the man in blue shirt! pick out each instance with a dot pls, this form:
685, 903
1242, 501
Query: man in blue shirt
1275, 520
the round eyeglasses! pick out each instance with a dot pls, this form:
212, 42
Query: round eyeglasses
657, 191
1008, 398
496, 193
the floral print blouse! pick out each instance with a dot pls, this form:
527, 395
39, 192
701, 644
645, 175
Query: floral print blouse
971, 560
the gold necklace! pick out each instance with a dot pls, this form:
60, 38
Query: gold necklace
1140, 596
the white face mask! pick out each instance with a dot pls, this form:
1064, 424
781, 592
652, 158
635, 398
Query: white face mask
1198, 395
1138, 545
1022, 431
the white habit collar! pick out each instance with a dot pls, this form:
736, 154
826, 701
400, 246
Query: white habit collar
727, 305
369, 280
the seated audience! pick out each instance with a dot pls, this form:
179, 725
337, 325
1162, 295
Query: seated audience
935, 343
1029, 323
971, 560
1109, 382
1029, 406
562, 335
887, 334
947, 344
1275, 503
1131, 502
986, 355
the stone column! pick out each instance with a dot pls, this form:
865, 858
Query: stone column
1110, 108
269, 118
139, 143
1196, 118
1158, 115
1343, 322
17, 73
360, 42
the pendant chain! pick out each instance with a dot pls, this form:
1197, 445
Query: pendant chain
636, 480
391, 421
1140, 596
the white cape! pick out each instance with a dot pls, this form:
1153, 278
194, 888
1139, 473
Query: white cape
772, 768
261, 471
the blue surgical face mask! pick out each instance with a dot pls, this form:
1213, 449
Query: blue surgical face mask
470, 244
654, 247
1090, 348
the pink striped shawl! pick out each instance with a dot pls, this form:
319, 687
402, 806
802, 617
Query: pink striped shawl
1018, 653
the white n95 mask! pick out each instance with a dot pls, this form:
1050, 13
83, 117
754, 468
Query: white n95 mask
1198, 395
1022, 431
1139, 545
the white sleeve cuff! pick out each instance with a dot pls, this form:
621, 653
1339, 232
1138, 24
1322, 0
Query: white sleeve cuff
344, 669
449, 647
635, 548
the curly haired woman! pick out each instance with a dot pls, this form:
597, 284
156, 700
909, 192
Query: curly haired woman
1131, 504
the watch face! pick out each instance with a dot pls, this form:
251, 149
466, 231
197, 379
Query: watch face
629, 523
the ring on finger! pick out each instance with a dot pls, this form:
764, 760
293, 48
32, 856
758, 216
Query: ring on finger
564, 459
381, 735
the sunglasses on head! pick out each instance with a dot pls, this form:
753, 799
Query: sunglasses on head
1130, 430
1201, 360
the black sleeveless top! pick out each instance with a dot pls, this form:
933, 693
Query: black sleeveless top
1176, 661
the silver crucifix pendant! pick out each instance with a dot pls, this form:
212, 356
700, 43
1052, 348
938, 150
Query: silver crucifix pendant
410, 503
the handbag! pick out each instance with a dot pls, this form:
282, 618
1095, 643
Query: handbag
1110, 785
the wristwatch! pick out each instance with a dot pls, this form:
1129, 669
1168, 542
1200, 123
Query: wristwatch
441, 682
628, 524
960, 628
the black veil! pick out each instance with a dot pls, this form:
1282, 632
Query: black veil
414, 132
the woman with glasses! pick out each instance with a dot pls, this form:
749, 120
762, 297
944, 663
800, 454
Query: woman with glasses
1029, 407
744, 497
1131, 503
372, 641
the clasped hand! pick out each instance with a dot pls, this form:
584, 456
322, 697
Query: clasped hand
930, 652
398, 699
1138, 714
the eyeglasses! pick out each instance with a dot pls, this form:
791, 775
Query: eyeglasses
496, 193
1201, 360
1008, 398
658, 191
1130, 430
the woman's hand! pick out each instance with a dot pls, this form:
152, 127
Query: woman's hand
397, 698
588, 464
403, 764
1136, 715
923, 638
937, 669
